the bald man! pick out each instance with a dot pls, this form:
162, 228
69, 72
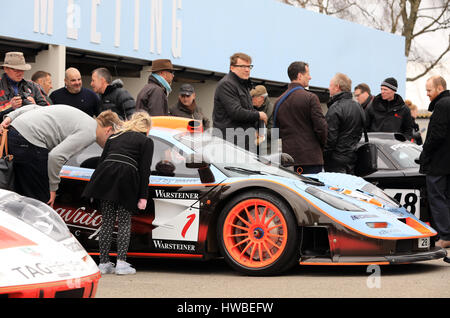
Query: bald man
74, 94
435, 157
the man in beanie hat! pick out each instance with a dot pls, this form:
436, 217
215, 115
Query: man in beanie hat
388, 112
187, 107
14, 90
153, 96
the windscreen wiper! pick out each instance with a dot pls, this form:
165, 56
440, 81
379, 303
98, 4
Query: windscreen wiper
243, 170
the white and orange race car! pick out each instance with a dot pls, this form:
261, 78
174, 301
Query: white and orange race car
39, 256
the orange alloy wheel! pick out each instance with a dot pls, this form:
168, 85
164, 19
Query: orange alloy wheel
255, 233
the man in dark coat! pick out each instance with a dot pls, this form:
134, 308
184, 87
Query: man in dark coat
153, 96
233, 107
388, 112
435, 158
15, 91
74, 94
187, 107
112, 94
345, 126
303, 128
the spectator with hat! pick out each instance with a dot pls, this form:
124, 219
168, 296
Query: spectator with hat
153, 98
15, 91
262, 103
187, 107
388, 112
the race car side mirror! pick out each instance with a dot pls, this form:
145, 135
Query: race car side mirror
287, 160
197, 162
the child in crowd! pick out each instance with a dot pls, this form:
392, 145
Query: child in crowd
120, 184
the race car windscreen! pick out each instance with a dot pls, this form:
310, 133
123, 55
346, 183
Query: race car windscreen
405, 154
233, 160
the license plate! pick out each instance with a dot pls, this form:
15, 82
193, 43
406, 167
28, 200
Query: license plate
424, 242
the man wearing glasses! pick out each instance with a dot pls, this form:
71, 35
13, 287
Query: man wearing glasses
233, 113
153, 96
362, 95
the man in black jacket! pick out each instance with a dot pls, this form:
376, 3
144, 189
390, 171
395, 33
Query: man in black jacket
388, 112
345, 126
435, 158
233, 107
112, 94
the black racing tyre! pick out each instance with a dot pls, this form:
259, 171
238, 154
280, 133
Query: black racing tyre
258, 234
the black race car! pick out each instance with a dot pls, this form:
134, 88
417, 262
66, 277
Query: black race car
398, 173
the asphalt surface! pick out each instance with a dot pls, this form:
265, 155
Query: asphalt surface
157, 278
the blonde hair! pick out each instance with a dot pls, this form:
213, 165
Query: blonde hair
410, 105
108, 118
139, 122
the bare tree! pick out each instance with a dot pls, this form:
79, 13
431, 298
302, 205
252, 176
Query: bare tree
412, 19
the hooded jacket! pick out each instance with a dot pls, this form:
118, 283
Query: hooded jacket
389, 116
118, 100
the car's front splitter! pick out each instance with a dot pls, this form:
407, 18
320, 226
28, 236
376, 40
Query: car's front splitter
433, 253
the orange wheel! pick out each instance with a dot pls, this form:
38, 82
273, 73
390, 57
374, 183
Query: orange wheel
255, 234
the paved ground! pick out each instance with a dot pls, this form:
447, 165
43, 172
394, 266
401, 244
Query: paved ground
214, 279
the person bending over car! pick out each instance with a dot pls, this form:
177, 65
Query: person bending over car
120, 185
42, 139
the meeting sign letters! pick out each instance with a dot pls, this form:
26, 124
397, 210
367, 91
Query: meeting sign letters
145, 22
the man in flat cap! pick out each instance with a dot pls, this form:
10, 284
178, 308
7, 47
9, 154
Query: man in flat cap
153, 96
388, 112
15, 91
262, 103
187, 107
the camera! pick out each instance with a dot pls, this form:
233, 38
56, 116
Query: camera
24, 96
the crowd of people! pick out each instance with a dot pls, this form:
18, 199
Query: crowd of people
42, 139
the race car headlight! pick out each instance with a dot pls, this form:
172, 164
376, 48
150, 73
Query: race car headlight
334, 201
39, 215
